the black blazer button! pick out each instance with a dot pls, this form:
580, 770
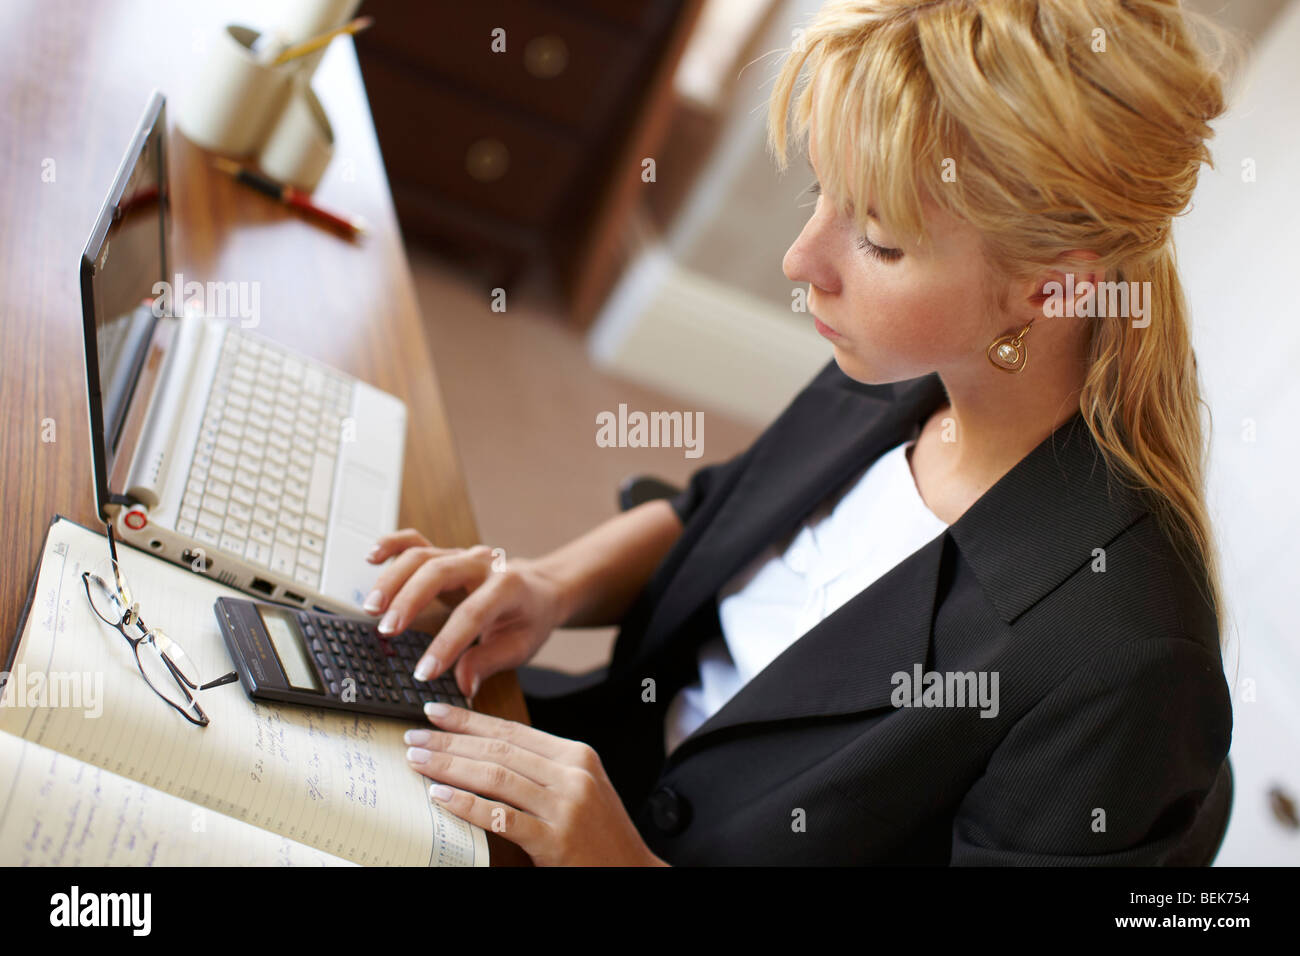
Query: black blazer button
669, 811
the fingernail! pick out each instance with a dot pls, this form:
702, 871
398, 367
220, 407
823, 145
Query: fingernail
373, 553
440, 791
416, 755
374, 601
416, 737
389, 623
436, 709
473, 688
427, 667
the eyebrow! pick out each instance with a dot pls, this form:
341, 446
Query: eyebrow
871, 212
817, 181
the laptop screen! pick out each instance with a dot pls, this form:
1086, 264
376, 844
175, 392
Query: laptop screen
123, 261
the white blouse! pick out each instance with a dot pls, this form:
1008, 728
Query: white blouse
839, 551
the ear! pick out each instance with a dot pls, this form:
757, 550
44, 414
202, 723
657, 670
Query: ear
1075, 275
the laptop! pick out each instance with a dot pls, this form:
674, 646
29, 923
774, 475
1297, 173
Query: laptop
214, 447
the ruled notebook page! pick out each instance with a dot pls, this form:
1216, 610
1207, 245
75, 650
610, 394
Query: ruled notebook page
336, 782
82, 815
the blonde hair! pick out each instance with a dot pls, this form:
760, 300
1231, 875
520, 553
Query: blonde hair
1069, 124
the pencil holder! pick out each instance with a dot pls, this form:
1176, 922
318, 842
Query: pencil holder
301, 19
235, 98
243, 105
301, 142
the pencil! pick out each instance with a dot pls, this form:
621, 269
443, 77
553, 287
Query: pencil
315, 43
348, 225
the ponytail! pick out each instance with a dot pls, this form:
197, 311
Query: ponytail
1142, 402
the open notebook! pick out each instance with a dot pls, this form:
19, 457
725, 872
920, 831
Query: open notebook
95, 769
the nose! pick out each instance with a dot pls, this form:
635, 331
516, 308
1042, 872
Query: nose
807, 259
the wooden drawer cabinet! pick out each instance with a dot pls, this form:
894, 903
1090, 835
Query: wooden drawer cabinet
556, 67
520, 165
630, 14
471, 154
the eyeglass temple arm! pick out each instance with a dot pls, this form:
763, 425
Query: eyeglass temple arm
112, 545
223, 679
112, 550
176, 671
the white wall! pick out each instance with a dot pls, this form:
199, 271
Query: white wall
1239, 250
705, 313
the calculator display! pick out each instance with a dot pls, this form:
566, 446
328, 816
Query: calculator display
284, 634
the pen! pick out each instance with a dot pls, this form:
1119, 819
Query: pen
348, 225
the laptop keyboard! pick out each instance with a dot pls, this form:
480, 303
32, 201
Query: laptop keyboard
263, 470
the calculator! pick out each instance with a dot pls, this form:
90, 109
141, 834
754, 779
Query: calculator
286, 655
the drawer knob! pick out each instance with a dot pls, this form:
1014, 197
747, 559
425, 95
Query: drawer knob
546, 56
487, 159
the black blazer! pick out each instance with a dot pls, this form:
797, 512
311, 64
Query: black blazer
1113, 715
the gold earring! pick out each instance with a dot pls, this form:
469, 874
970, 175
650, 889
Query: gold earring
1008, 352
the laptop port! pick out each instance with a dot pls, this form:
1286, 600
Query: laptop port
191, 557
290, 596
263, 586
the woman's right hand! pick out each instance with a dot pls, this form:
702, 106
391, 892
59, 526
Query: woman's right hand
512, 610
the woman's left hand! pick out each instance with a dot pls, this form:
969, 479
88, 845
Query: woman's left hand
547, 794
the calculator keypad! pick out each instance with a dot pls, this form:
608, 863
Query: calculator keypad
380, 666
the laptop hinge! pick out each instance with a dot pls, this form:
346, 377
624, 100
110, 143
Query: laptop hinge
152, 460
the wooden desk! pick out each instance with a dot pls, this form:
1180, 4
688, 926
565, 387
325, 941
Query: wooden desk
76, 76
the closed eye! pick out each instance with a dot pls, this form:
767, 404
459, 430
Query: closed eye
884, 253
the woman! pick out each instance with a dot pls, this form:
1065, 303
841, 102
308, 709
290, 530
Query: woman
958, 604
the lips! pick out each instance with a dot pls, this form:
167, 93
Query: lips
825, 329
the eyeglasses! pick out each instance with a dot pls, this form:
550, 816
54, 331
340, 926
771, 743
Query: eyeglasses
163, 664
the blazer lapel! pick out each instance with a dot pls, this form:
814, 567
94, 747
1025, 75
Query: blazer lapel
846, 663
1037, 525
1043, 519
823, 438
